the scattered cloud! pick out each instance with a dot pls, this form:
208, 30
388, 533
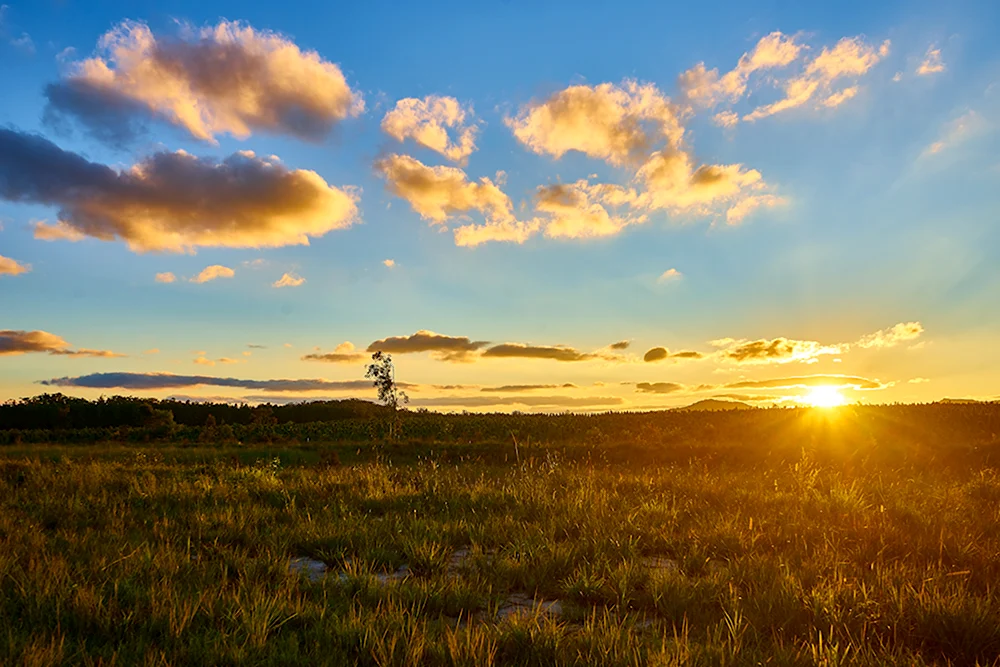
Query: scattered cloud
441, 193
428, 122
443, 347
153, 350
60, 231
621, 345
24, 44
777, 350
918, 380
254, 346
957, 132
153, 381
514, 388
202, 361
389, 263
805, 381
659, 387
166, 277
289, 280
342, 354
670, 275
932, 63
554, 352
222, 79
705, 88
21, 342
617, 124
661, 353
12, 267
744, 207
577, 210
892, 336
850, 58
213, 272
174, 201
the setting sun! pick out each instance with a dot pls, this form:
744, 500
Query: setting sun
824, 397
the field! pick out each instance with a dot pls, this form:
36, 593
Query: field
713, 539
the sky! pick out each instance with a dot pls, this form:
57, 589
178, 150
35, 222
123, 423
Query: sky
580, 206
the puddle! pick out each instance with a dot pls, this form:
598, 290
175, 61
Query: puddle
519, 604
314, 570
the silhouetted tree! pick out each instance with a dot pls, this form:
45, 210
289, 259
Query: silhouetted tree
383, 376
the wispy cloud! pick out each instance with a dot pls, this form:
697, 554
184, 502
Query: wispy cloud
289, 280
932, 63
21, 342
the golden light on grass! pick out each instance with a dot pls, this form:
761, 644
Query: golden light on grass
824, 397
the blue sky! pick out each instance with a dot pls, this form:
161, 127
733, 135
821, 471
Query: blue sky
853, 233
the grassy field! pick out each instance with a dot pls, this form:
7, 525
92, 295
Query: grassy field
115, 554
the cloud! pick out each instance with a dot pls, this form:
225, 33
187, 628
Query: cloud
957, 131
918, 380
254, 346
513, 388
152, 350
441, 193
554, 352
529, 401
838, 98
202, 361
744, 207
166, 277
656, 354
659, 387
153, 381
892, 336
620, 345
428, 121
850, 57
617, 124
577, 210
726, 119
24, 43
661, 353
212, 273
21, 342
11, 267
289, 280
389, 263
60, 231
342, 354
225, 79
670, 275
800, 382
443, 347
776, 350
174, 201
932, 63
705, 88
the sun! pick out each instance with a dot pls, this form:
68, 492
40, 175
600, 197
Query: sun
824, 397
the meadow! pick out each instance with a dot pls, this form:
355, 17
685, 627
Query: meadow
866, 536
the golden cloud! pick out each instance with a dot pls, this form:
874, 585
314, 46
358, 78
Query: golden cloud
554, 352
617, 124
226, 79
174, 201
850, 57
659, 387
801, 382
11, 267
342, 354
661, 353
288, 280
892, 336
932, 63
441, 193
445, 348
60, 231
20, 342
166, 277
428, 122
213, 272
706, 88
575, 210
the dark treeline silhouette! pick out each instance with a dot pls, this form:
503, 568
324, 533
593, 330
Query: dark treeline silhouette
948, 434
57, 411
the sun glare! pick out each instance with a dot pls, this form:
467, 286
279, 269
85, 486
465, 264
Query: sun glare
824, 397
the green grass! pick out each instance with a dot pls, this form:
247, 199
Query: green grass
111, 555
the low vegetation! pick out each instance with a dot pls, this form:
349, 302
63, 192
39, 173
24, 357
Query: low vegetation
793, 537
